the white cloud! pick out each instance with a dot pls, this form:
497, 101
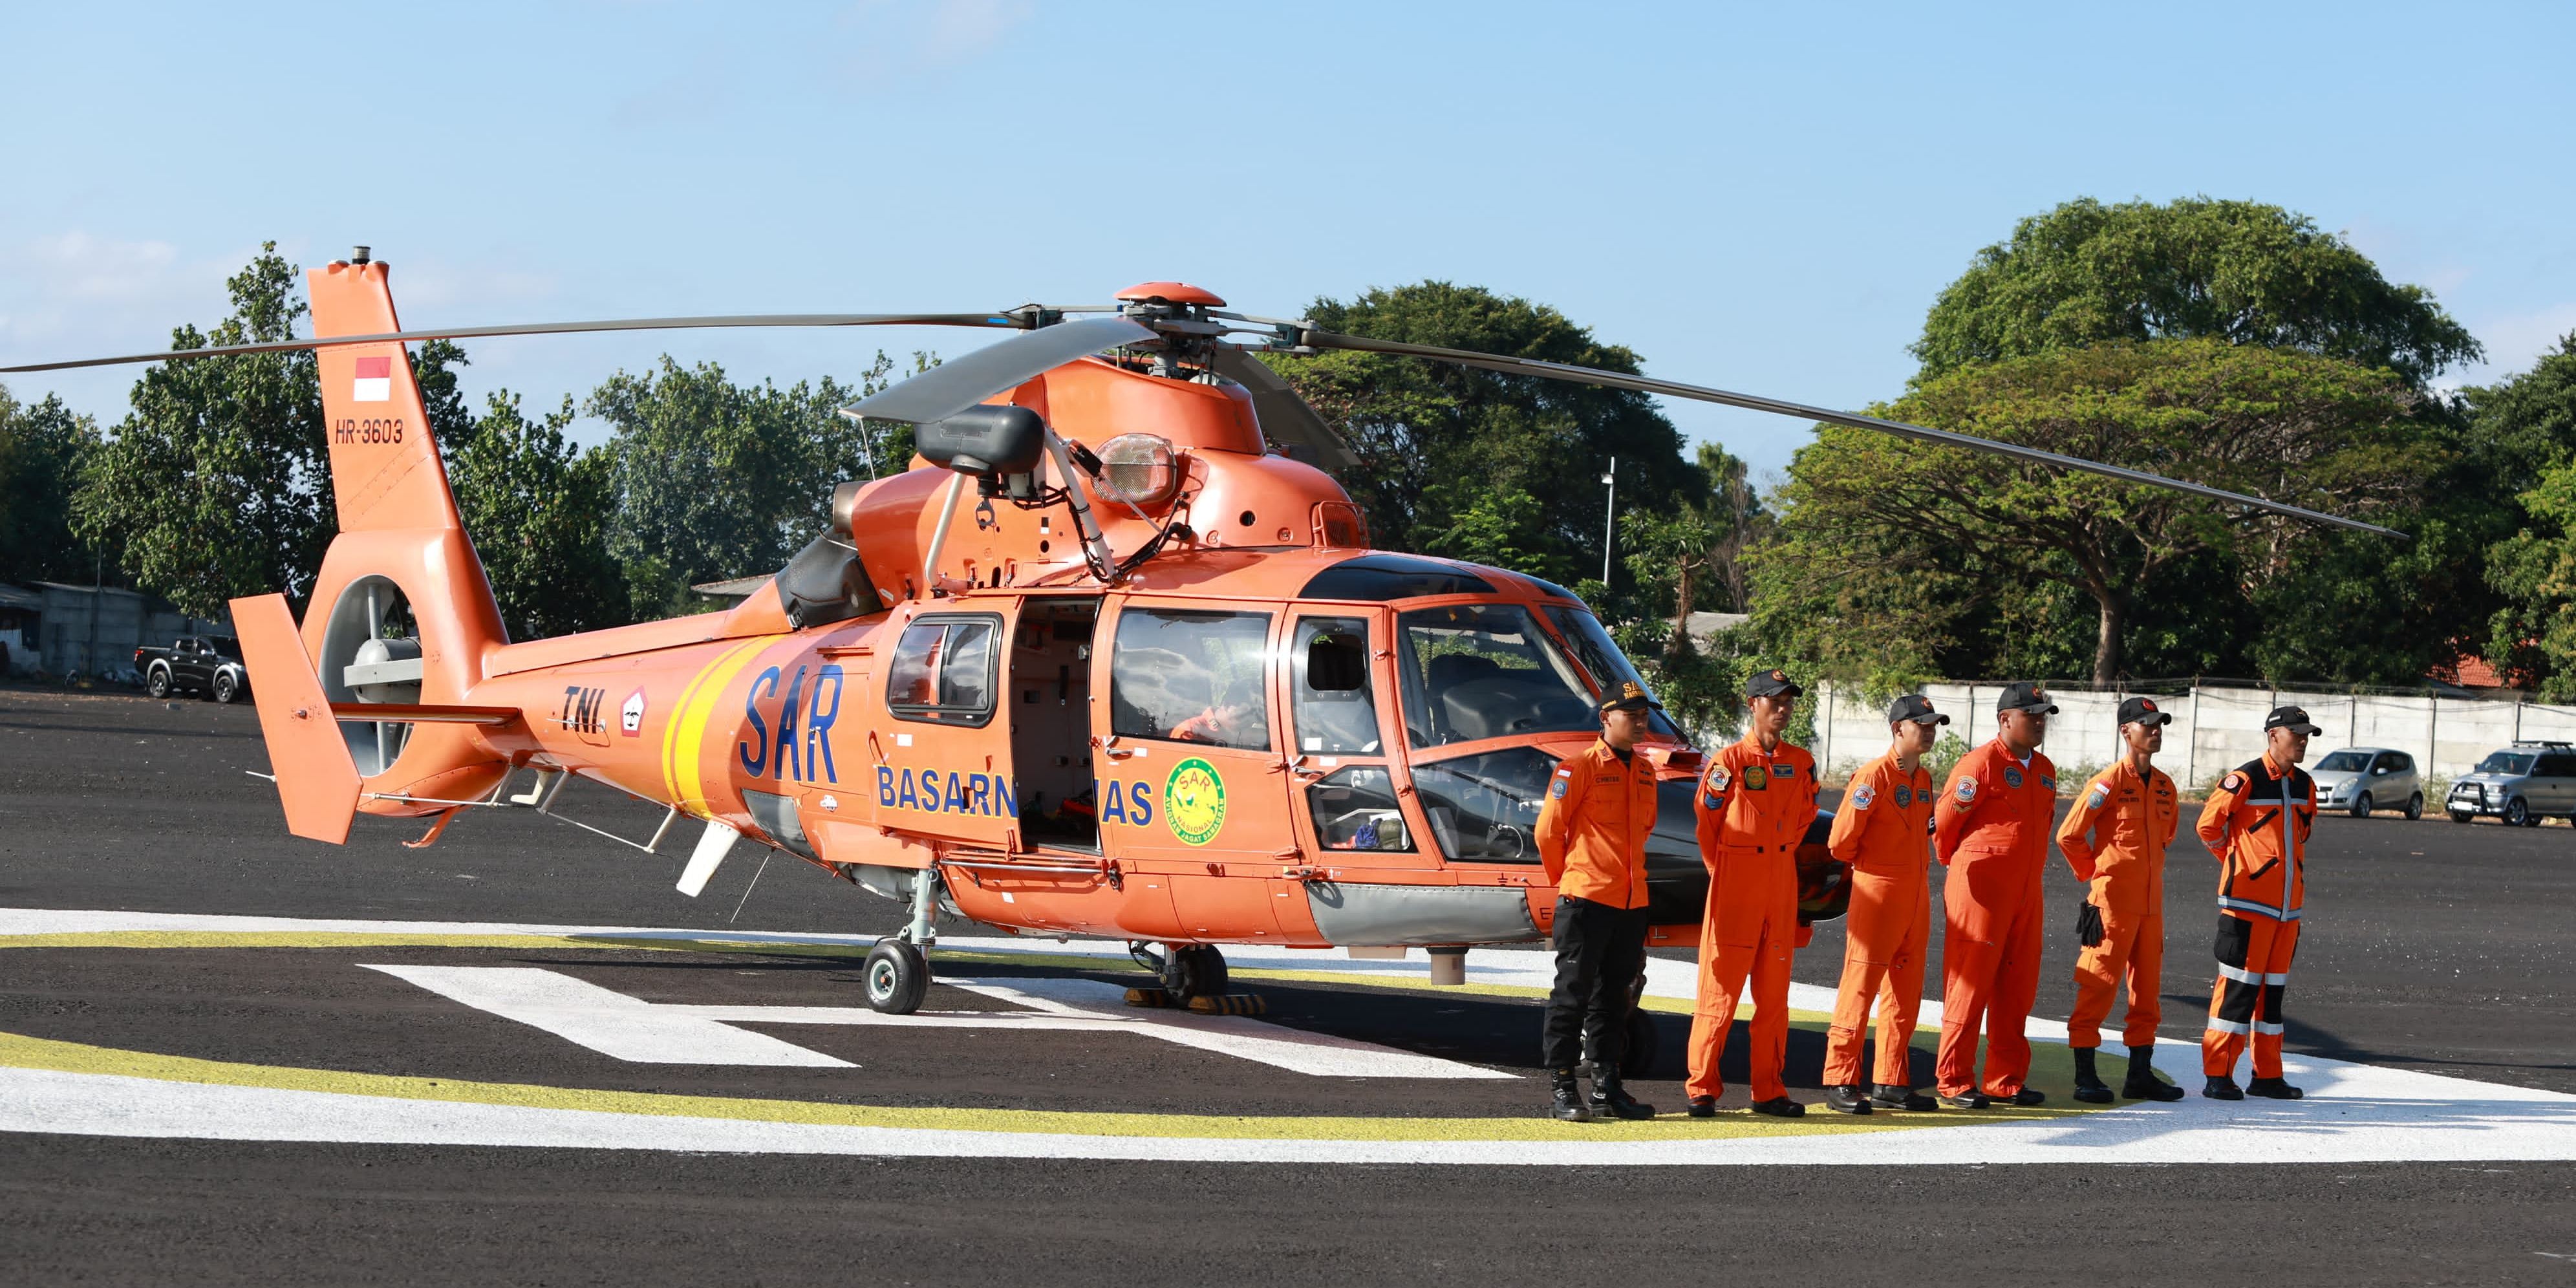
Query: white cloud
897, 39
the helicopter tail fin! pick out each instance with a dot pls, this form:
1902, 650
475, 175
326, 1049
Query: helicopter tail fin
401, 612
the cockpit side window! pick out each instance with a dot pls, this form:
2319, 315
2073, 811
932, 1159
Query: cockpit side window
1334, 708
942, 670
1473, 671
1187, 676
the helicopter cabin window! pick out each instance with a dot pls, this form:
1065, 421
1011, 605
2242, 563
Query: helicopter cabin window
1473, 671
1187, 676
1355, 809
1484, 809
1334, 709
942, 670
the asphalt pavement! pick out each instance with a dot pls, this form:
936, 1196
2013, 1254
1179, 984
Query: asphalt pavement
2429, 947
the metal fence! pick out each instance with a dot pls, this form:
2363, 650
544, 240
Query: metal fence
2214, 729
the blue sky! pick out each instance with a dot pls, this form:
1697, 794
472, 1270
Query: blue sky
1764, 198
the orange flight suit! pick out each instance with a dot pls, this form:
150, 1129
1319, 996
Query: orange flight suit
1592, 828
1884, 832
1991, 828
1753, 811
2115, 840
2257, 822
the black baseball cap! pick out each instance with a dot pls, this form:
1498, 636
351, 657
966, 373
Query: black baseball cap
1766, 683
1630, 698
2143, 710
2292, 718
1914, 707
2025, 695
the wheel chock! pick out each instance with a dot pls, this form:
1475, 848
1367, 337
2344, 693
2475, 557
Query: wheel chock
1229, 1004
1153, 997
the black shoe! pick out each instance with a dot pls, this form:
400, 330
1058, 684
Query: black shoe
2273, 1089
2029, 1096
2222, 1087
1965, 1100
2089, 1087
1888, 1095
1703, 1106
2142, 1083
1780, 1107
1569, 1105
1610, 1100
1846, 1100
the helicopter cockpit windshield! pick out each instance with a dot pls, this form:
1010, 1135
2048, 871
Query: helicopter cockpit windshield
1600, 656
1476, 671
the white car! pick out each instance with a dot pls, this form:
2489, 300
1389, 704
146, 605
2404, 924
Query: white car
2358, 780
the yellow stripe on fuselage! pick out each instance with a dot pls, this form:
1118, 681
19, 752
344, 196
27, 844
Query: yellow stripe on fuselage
684, 739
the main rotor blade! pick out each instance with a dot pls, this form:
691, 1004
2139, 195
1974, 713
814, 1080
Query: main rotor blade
1754, 402
552, 328
960, 383
1284, 416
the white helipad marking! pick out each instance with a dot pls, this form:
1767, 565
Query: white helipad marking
2354, 1113
633, 1029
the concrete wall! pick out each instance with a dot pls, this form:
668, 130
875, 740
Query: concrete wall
2214, 729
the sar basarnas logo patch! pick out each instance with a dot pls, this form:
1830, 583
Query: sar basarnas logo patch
1194, 802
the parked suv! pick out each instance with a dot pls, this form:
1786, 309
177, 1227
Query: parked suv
2361, 779
2521, 785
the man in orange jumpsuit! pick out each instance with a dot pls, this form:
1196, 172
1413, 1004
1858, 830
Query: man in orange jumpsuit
2257, 823
1883, 830
1754, 805
1991, 830
2115, 840
1592, 832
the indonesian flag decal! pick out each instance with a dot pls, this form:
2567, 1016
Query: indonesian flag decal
375, 381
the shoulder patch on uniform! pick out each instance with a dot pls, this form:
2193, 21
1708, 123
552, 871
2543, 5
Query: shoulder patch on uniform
1556, 790
2234, 782
1720, 777
1863, 796
2095, 798
1967, 790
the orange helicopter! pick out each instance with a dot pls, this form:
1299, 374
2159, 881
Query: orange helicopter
1151, 684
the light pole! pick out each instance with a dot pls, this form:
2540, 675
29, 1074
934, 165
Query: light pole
1609, 521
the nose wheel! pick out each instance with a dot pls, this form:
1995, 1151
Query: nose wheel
896, 977
1193, 970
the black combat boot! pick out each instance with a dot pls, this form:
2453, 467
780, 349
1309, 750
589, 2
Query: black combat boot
1969, 1099
1780, 1107
2089, 1087
1888, 1095
1703, 1106
2221, 1087
1569, 1098
1609, 1099
2273, 1089
1846, 1100
2142, 1083
2029, 1096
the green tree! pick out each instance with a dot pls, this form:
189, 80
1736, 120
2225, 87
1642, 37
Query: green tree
538, 510
216, 484
2525, 429
715, 480
1903, 519
2240, 271
42, 451
1444, 450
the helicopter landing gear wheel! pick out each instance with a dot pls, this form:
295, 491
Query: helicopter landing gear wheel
1193, 970
896, 977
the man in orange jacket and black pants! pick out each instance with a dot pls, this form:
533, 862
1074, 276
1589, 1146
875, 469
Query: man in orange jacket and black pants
1592, 832
1991, 829
2257, 823
2115, 840
1753, 809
